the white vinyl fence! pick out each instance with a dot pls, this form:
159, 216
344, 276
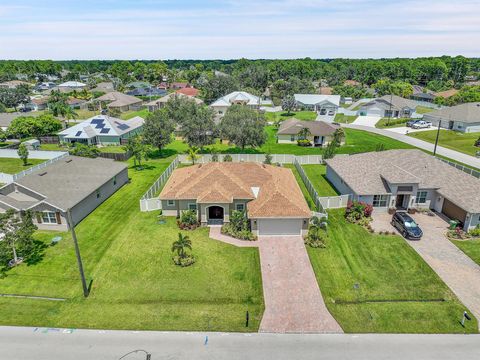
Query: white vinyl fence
334, 202
259, 158
150, 200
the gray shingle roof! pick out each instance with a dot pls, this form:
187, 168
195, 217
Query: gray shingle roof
468, 113
317, 128
365, 174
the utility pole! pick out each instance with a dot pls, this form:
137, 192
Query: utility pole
77, 253
390, 109
436, 139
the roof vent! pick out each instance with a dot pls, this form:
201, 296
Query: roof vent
43, 173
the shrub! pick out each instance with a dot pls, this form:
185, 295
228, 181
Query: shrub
214, 157
84, 150
238, 227
268, 159
185, 261
358, 212
316, 237
188, 220
179, 246
475, 232
303, 142
227, 158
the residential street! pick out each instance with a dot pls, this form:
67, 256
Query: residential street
45, 344
454, 155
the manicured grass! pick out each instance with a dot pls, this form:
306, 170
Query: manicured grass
283, 115
135, 284
300, 182
112, 149
455, 140
396, 288
469, 247
13, 166
130, 114
83, 114
345, 119
316, 174
385, 123
53, 147
423, 110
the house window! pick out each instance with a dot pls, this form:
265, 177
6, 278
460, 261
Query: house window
170, 202
421, 197
49, 217
380, 200
292, 138
192, 206
240, 207
98, 194
114, 180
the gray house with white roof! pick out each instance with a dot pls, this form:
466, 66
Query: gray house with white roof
102, 130
404, 179
71, 183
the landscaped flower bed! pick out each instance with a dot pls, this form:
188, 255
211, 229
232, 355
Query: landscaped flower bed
459, 234
238, 227
188, 220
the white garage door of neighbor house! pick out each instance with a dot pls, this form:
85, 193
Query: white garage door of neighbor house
279, 226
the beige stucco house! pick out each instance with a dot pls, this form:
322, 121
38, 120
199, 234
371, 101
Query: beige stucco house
269, 195
320, 133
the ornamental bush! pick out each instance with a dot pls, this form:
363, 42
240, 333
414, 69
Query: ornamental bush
188, 220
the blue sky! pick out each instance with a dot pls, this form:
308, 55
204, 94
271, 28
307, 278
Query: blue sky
178, 29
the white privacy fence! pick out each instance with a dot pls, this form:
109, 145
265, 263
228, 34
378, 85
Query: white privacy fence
334, 202
259, 158
150, 200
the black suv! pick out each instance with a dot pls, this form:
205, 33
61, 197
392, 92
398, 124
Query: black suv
407, 226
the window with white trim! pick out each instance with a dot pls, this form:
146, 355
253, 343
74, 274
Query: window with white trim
292, 138
49, 217
421, 197
240, 207
380, 200
170, 202
192, 206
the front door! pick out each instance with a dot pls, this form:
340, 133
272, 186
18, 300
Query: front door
399, 201
215, 215
450, 125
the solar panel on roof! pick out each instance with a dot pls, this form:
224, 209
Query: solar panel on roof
104, 131
122, 126
96, 121
99, 125
78, 133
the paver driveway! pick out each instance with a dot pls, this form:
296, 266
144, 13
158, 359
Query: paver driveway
293, 302
457, 270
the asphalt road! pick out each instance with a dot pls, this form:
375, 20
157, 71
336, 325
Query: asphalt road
41, 344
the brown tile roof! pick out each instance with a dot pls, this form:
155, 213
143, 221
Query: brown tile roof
279, 194
326, 90
317, 128
447, 93
190, 91
351, 83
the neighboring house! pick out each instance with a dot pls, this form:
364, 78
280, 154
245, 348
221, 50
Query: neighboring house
447, 93
269, 195
320, 132
406, 179
12, 84
179, 85
75, 103
463, 117
106, 87
326, 106
72, 85
102, 130
44, 86
147, 92
138, 85
422, 94
120, 101
190, 91
71, 183
37, 104
7, 118
389, 106
160, 103
221, 105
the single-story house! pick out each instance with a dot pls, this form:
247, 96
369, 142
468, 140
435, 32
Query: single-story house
221, 105
71, 183
102, 130
160, 103
13, 84
179, 85
269, 195
326, 106
404, 179
146, 92
45, 86
7, 118
120, 101
463, 117
320, 132
190, 91
447, 93
36, 104
138, 85
389, 106
422, 94
72, 85
105, 86
75, 103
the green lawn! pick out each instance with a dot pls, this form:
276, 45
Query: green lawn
423, 110
454, 140
391, 123
13, 166
130, 114
396, 288
135, 284
345, 119
282, 115
316, 174
300, 182
469, 247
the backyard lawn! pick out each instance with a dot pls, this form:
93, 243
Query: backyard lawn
283, 115
454, 140
130, 114
316, 174
135, 285
378, 283
13, 166
300, 182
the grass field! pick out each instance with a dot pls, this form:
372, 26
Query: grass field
451, 139
316, 174
13, 166
130, 114
469, 247
135, 284
396, 289
282, 115
391, 123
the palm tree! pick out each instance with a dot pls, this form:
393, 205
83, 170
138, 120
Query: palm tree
338, 135
192, 154
181, 244
304, 133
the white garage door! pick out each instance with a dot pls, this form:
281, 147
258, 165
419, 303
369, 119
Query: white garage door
279, 226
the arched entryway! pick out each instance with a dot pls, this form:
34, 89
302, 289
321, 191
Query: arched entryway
215, 215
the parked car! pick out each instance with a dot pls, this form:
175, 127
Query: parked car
410, 123
407, 226
421, 124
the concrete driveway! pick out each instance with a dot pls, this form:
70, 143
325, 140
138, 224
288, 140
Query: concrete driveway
293, 302
369, 121
406, 130
457, 270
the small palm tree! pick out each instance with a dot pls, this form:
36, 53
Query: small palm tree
181, 244
192, 154
338, 135
304, 133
